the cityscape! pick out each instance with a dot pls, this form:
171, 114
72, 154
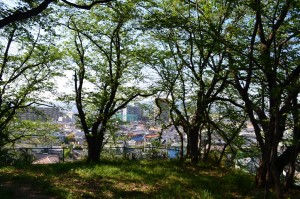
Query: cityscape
135, 131
136, 137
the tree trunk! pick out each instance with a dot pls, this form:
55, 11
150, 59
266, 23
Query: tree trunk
207, 146
200, 145
95, 141
194, 146
261, 173
289, 179
222, 154
273, 177
188, 147
181, 148
276, 180
288, 157
94, 149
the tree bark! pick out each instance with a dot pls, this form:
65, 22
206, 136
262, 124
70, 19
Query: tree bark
181, 158
95, 141
194, 146
207, 146
289, 179
288, 157
261, 173
94, 150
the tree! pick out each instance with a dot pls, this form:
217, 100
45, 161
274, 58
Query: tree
30, 9
260, 48
265, 67
28, 62
31, 133
106, 56
192, 67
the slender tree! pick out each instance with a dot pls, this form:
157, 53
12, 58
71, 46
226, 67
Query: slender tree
107, 60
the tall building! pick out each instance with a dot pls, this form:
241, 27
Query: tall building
130, 113
51, 114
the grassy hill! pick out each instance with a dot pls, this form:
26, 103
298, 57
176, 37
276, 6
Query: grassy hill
126, 179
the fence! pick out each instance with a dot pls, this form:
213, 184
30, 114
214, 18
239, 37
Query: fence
54, 155
142, 153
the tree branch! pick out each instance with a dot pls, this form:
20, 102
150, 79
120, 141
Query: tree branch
18, 16
85, 7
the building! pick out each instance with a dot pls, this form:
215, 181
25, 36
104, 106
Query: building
130, 114
51, 114
67, 118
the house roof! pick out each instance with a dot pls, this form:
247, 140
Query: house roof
152, 135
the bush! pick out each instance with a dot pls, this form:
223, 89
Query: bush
68, 153
14, 157
5, 157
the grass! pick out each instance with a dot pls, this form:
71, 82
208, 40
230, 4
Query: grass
125, 179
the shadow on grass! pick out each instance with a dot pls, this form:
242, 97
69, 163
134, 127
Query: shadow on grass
129, 179
20, 183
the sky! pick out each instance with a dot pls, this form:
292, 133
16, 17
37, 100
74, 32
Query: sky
65, 85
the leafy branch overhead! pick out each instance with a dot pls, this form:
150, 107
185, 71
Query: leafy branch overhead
34, 9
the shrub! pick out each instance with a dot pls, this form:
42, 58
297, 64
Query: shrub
14, 157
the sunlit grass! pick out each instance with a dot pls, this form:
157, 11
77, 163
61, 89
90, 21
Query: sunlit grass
129, 179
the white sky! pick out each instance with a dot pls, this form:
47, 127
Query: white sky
65, 85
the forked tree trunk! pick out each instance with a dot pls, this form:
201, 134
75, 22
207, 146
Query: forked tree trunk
288, 157
95, 142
